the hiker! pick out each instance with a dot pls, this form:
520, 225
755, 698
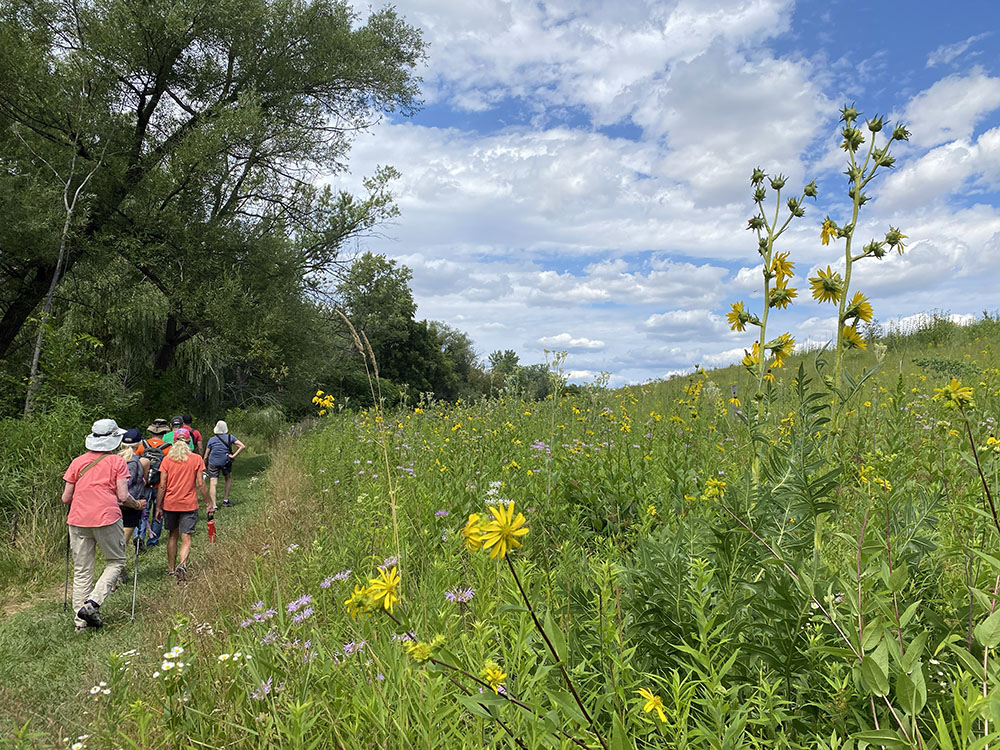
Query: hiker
153, 448
138, 471
219, 456
199, 446
177, 425
177, 502
96, 487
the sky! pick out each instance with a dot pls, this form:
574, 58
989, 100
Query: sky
578, 177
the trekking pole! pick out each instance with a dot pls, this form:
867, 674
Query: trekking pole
66, 585
135, 577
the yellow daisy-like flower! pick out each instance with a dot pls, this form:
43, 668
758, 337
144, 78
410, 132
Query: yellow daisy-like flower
738, 317
827, 286
955, 395
782, 294
385, 588
501, 534
851, 339
769, 376
781, 347
829, 230
359, 602
473, 533
782, 267
494, 675
752, 358
859, 308
653, 703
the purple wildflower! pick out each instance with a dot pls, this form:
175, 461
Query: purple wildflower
303, 615
268, 639
264, 690
341, 576
258, 606
354, 647
389, 562
440, 513
459, 595
246, 623
302, 601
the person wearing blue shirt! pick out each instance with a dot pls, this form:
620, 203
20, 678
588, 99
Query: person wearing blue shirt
222, 448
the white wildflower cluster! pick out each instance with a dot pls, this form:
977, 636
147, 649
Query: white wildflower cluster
101, 688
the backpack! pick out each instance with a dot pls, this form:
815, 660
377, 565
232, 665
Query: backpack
136, 481
155, 455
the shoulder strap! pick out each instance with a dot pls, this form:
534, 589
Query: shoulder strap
230, 445
91, 465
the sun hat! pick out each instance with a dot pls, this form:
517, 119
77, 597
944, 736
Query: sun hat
133, 436
159, 427
221, 428
105, 435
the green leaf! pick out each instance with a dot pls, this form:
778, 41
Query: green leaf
898, 578
988, 631
904, 619
567, 704
619, 740
914, 650
555, 636
885, 737
874, 676
474, 706
911, 692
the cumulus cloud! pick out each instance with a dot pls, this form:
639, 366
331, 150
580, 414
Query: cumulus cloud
568, 342
952, 107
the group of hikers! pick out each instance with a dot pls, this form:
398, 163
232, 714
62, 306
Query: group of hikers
126, 489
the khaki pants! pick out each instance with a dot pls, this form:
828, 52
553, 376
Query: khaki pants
84, 540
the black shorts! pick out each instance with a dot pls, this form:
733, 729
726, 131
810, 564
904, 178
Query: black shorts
185, 520
131, 517
226, 469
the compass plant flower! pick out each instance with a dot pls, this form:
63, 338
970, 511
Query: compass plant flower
472, 533
738, 317
955, 395
859, 309
384, 589
827, 286
502, 534
851, 339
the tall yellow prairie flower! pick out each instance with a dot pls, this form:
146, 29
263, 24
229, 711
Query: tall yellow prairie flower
782, 294
782, 267
829, 230
653, 703
501, 534
494, 675
385, 588
752, 358
359, 602
827, 286
738, 317
859, 308
473, 533
851, 339
955, 395
781, 347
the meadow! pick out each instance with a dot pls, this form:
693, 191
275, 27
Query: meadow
681, 577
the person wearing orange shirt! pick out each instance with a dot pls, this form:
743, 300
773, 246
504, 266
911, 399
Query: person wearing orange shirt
181, 481
96, 488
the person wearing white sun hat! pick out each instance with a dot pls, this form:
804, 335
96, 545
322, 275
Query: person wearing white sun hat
222, 448
96, 488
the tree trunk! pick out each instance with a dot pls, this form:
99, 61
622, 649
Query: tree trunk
177, 332
25, 302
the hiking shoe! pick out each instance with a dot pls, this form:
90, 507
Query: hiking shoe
89, 613
228, 503
181, 572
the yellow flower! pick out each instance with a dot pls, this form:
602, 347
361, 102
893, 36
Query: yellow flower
955, 395
781, 347
859, 308
782, 295
769, 376
829, 230
827, 286
651, 510
494, 675
738, 317
419, 650
653, 703
385, 588
851, 339
782, 267
715, 489
359, 602
473, 533
501, 534
752, 358
734, 401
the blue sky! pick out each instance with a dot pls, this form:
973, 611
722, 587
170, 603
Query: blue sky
578, 177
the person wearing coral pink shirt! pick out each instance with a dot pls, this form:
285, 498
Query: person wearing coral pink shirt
177, 500
96, 488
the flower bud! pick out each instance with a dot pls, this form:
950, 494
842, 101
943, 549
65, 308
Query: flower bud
882, 158
757, 176
853, 138
894, 238
762, 245
875, 124
810, 189
778, 182
854, 173
757, 222
861, 201
759, 194
848, 114
900, 133
875, 249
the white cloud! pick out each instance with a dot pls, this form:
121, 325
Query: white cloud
951, 108
565, 341
946, 53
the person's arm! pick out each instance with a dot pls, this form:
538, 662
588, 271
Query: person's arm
124, 498
158, 514
67, 496
239, 448
203, 489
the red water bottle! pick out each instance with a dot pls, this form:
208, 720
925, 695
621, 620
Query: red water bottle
211, 527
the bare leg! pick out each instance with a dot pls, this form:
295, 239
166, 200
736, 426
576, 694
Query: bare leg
185, 547
172, 549
229, 484
212, 483
128, 534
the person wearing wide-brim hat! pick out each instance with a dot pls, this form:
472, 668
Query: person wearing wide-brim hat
96, 488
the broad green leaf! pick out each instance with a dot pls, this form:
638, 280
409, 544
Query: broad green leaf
874, 676
567, 704
556, 638
911, 692
886, 737
988, 631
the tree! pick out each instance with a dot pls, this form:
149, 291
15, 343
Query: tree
213, 117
